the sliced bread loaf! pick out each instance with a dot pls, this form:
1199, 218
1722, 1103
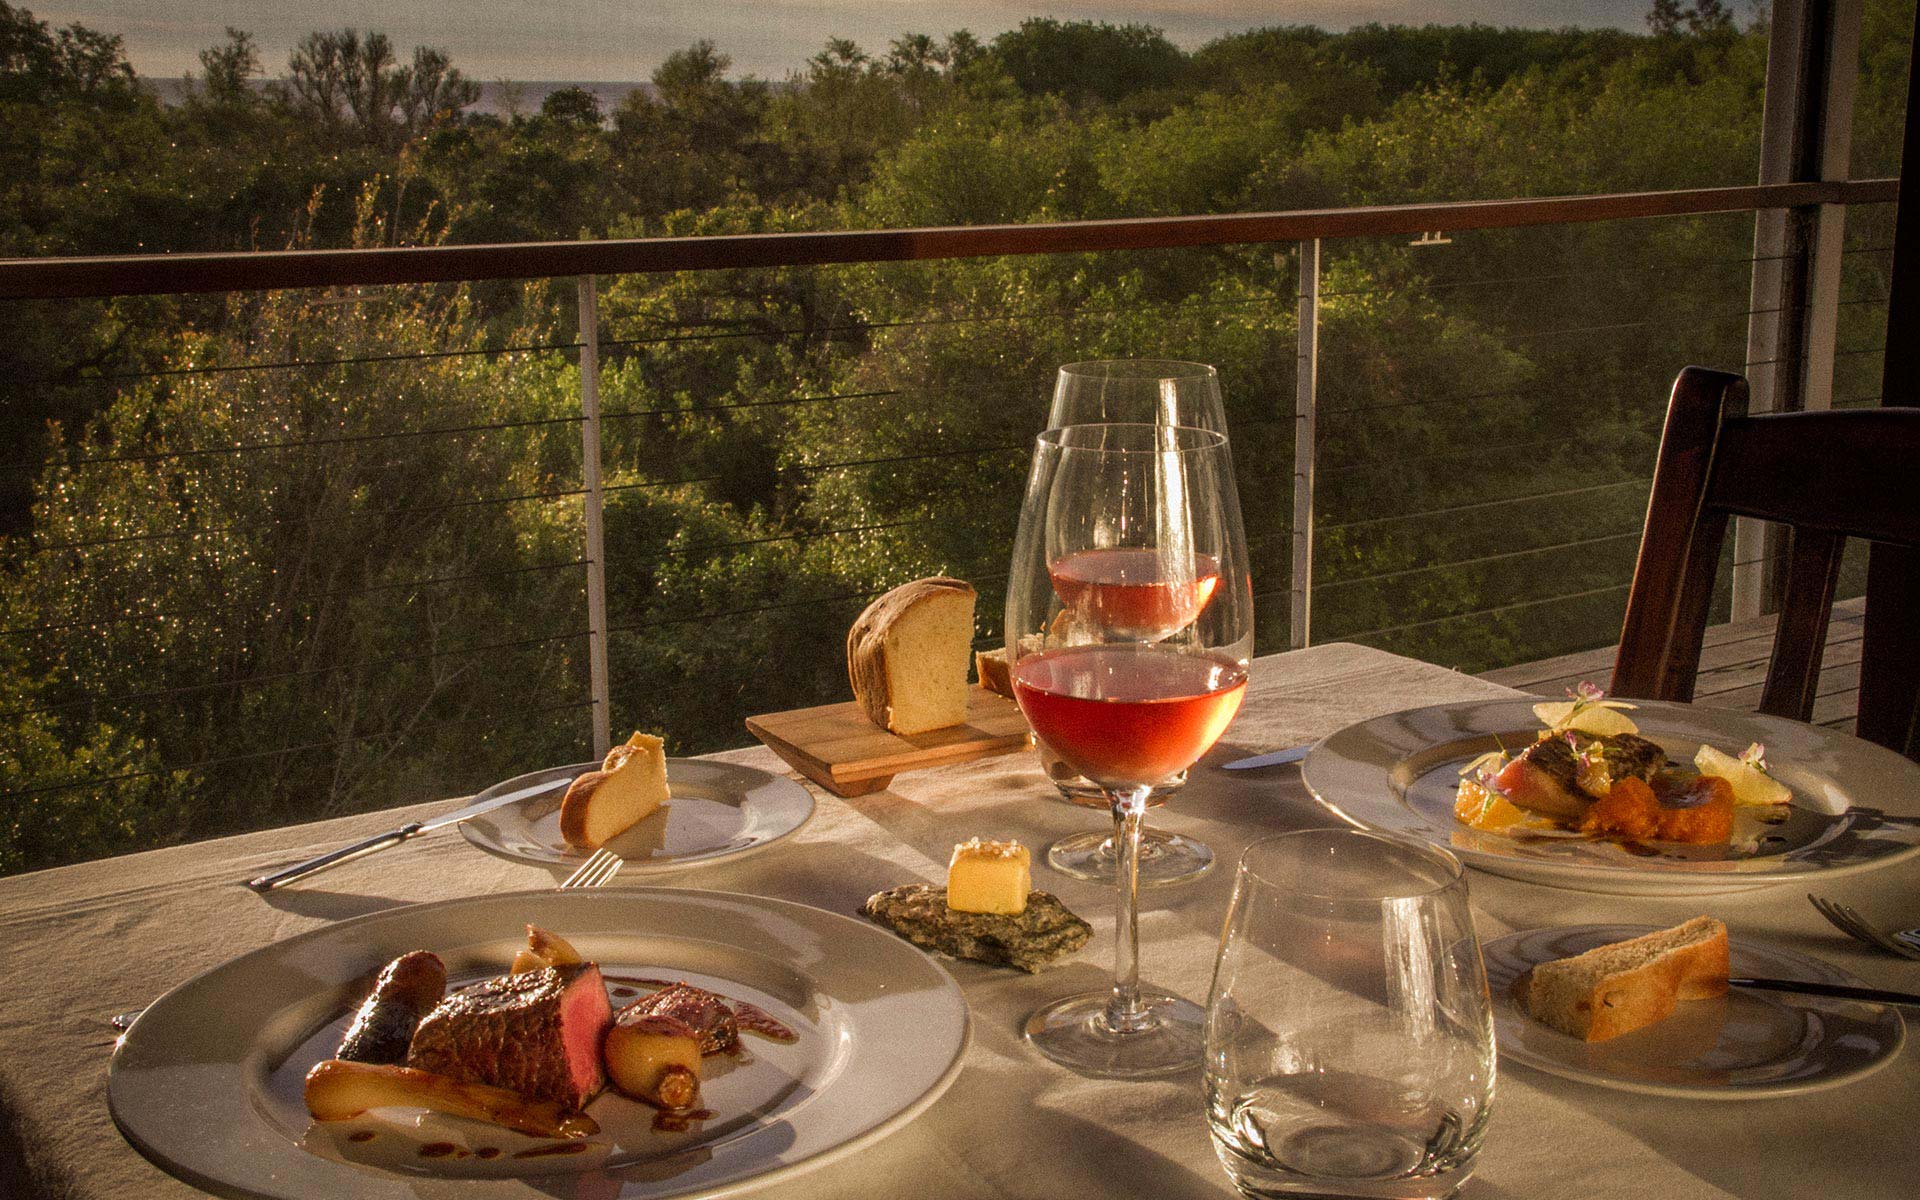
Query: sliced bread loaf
907, 655
1616, 989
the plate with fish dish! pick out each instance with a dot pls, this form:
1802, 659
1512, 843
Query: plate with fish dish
1642, 797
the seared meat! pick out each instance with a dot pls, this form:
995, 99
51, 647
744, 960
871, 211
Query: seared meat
1546, 777
406, 991
708, 1015
537, 1033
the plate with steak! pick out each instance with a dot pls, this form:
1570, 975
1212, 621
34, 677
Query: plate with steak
1622, 806
672, 1044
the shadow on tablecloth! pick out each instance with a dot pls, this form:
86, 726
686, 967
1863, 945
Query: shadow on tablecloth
25, 1173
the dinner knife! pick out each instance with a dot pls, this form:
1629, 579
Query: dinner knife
407, 832
1271, 759
1837, 991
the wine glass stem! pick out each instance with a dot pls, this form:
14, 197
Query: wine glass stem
1126, 1013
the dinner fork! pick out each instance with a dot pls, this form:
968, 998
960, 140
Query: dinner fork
1904, 942
597, 870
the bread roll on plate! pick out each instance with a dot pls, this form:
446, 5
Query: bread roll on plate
1616, 989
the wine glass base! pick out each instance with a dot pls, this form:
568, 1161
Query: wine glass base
1073, 1032
1165, 858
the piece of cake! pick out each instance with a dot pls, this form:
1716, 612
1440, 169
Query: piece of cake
1616, 989
989, 877
629, 787
907, 656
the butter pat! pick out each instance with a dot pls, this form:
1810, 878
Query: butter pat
989, 877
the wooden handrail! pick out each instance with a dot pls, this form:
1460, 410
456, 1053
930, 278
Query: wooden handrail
166, 274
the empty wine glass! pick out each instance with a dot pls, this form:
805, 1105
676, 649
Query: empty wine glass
1129, 627
1146, 391
1349, 1033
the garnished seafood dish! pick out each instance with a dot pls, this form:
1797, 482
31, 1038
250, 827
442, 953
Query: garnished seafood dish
1589, 772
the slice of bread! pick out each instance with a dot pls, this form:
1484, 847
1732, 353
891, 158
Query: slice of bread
990, 666
907, 655
629, 786
1616, 989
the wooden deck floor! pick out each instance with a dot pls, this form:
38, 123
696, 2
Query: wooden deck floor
1733, 665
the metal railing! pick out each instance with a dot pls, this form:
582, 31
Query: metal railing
1299, 238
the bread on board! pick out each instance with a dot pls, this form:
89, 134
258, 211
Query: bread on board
907, 655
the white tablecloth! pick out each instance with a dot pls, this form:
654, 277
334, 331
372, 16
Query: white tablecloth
83, 942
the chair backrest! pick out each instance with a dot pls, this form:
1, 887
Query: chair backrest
1827, 476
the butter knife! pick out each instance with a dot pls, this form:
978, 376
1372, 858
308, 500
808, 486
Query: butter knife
1272, 758
407, 832
1837, 991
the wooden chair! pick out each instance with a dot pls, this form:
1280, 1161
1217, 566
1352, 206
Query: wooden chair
1827, 476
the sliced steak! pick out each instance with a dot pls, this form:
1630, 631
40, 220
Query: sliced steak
537, 1033
708, 1015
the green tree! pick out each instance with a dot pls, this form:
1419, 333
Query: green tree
1087, 61
228, 71
573, 104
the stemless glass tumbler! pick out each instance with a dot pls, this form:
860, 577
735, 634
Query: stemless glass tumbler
1349, 1034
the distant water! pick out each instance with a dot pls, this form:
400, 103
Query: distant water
493, 94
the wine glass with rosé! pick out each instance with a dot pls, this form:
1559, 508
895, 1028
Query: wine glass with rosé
1129, 626
1149, 391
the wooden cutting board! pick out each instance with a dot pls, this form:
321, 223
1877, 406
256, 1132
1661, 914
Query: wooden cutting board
838, 748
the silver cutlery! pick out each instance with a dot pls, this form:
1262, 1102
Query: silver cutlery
597, 870
266, 883
1837, 991
1272, 758
1904, 942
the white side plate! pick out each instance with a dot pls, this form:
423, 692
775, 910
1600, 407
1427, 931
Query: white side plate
207, 1083
1748, 1045
718, 810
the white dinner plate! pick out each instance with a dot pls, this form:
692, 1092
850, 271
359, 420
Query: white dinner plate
1855, 805
208, 1082
717, 810
1747, 1045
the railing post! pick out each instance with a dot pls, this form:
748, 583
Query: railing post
596, 549
1813, 61
1305, 402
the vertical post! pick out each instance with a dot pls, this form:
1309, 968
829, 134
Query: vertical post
1305, 403
1806, 134
1828, 243
596, 549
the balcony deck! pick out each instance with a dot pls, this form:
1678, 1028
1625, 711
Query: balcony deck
1733, 665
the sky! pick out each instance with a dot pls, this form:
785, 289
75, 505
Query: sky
625, 39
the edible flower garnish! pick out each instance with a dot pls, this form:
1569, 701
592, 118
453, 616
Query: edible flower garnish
1590, 766
1486, 767
1485, 772
1586, 710
1479, 792
1753, 784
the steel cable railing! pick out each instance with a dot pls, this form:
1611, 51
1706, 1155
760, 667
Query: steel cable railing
648, 405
